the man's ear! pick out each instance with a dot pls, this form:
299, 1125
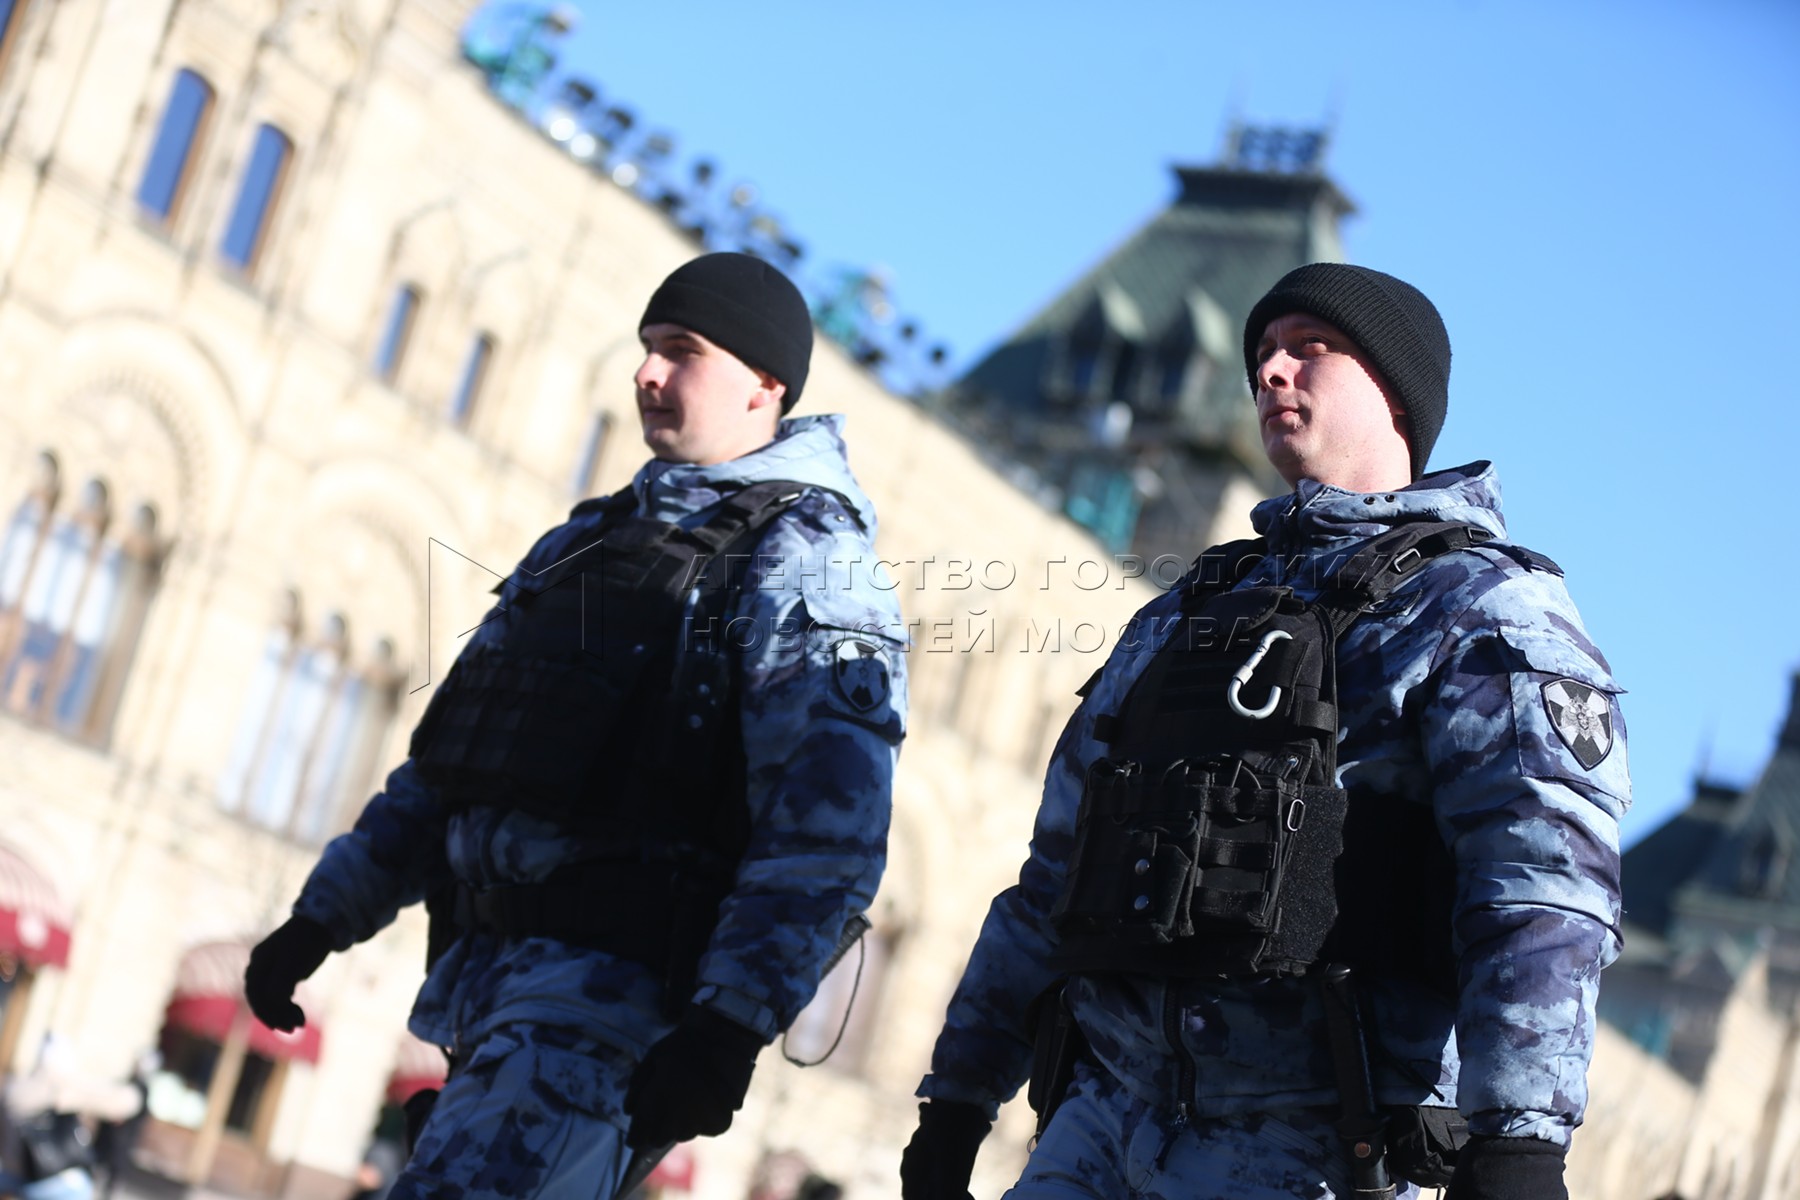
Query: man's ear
770, 390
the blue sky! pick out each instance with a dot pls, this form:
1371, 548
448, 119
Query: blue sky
1600, 196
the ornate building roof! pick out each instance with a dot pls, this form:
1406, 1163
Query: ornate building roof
1731, 858
1708, 894
1125, 394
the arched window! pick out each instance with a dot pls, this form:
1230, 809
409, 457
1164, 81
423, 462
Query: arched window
1125, 372
1763, 868
397, 332
257, 198
1096, 358
73, 595
474, 374
1085, 349
588, 466
312, 724
172, 157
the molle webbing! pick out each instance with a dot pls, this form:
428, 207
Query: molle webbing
592, 709
544, 715
1212, 837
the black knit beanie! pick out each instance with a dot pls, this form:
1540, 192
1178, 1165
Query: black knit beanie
744, 305
1390, 321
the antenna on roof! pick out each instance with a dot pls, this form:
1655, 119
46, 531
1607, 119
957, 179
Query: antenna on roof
1234, 118
1703, 770
1334, 108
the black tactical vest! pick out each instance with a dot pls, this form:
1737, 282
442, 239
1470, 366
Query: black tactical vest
1212, 839
604, 701
608, 704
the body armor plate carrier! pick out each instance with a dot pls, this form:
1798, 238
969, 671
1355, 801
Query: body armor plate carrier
607, 703
1213, 839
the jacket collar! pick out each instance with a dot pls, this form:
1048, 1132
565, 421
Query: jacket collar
806, 449
1317, 516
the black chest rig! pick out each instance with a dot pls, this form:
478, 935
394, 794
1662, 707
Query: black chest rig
604, 704
1212, 839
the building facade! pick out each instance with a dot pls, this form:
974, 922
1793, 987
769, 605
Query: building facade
303, 339
1696, 1081
1123, 401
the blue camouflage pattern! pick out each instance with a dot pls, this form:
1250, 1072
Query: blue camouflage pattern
1105, 1143
819, 770
1441, 704
522, 1117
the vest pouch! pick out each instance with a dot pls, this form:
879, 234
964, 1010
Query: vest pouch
1144, 898
1241, 858
530, 732
1423, 1143
1131, 876
1193, 877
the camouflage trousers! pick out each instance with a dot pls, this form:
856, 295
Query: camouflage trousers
533, 1111
1106, 1144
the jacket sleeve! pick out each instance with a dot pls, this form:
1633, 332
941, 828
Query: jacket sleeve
822, 704
1526, 748
983, 1053
392, 857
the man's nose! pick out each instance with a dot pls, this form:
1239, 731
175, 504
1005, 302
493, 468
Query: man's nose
651, 372
1275, 372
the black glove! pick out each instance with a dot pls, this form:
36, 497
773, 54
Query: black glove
277, 964
941, 1156
690, 1082
1508, 1168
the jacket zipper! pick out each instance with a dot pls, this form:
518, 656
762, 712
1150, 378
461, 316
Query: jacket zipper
1184, 1070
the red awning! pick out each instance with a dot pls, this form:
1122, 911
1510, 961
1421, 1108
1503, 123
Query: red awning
418, 1066
34, 925
209, 991
676, 1171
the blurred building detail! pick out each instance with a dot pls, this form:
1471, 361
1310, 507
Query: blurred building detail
222, 1071
169, 167
417, 1067
303, 337
1123, 401
73, 593
515, 46
1696, 1079
34, 935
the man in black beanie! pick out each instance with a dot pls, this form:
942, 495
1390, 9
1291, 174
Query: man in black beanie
727, 341
1388, 337
652, 792
1326, 868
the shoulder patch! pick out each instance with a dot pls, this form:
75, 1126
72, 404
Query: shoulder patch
1582, 717
860, 673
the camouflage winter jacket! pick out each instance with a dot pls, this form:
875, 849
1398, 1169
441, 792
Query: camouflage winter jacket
1448, 697
819, 765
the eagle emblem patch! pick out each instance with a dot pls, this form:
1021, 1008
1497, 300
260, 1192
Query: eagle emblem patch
1582, 718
